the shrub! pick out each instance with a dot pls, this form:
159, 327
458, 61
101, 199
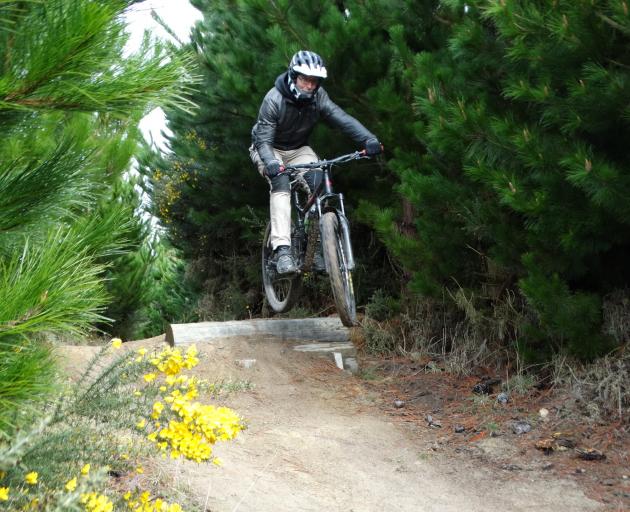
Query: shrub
95, 424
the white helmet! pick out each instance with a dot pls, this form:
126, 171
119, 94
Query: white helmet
308, 64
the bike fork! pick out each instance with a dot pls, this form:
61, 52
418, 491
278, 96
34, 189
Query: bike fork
345, 238
344, 226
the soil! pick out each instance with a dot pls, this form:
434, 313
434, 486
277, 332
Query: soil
321, 439
478, 426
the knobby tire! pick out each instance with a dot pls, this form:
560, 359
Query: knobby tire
340, 275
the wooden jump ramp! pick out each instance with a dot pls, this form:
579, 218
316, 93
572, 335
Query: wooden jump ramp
321, 335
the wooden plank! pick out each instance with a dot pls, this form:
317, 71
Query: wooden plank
310, 329
326, 347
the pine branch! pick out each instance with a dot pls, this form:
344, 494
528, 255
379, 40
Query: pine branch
612, 23
282, 19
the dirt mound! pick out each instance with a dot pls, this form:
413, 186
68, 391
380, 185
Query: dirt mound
318, 439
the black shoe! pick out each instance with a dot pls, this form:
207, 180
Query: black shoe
283, 260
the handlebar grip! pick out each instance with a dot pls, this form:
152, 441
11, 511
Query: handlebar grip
363, 152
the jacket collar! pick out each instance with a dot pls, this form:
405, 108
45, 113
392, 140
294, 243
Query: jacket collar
282, 84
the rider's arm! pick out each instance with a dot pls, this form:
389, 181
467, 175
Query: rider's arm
264, 130
335, 116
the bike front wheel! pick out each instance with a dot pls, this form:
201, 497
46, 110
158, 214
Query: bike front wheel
282, 292
337, 268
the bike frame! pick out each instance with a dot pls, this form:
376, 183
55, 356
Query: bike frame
324, 198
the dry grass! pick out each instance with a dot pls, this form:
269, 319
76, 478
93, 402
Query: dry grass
457, 332
600, 389
464, 333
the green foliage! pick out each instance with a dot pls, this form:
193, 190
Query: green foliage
146, 278
172, 297
207, 192
521, 113
26, 374
127, 273
152, 290
59, 55
379, 339
51, 288
68, 109
381, 306
504, 124
90, 422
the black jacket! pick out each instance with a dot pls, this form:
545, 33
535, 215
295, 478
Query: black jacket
284, 123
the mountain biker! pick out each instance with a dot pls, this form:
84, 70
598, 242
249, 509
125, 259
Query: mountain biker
286, 118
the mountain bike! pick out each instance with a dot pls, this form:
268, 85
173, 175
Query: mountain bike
319, 216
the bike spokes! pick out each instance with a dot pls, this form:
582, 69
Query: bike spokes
281, 292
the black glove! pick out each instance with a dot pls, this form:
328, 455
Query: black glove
373, 147
273, 169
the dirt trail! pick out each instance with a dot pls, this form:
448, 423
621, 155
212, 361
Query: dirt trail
317, 441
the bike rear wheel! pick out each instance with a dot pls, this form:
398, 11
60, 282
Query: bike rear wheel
281, 292
337, 268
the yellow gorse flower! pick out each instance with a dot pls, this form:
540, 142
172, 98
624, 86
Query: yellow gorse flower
4, 493
171, 361
144, 503
31, 478
158, 407
85, 470
71, 484
116, 343
190, 428
199, 427
95, 502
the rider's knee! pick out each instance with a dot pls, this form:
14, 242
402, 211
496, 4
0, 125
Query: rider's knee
280, 183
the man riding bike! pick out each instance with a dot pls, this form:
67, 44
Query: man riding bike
286, 118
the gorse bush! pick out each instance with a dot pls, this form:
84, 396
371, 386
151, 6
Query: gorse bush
92, 428
192, 427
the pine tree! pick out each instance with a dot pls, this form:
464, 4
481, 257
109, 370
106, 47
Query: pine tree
69, 103
504, 125
207, 192
523, 115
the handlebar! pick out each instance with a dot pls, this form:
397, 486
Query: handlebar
357, 155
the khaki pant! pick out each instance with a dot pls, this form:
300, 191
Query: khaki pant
280, 197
